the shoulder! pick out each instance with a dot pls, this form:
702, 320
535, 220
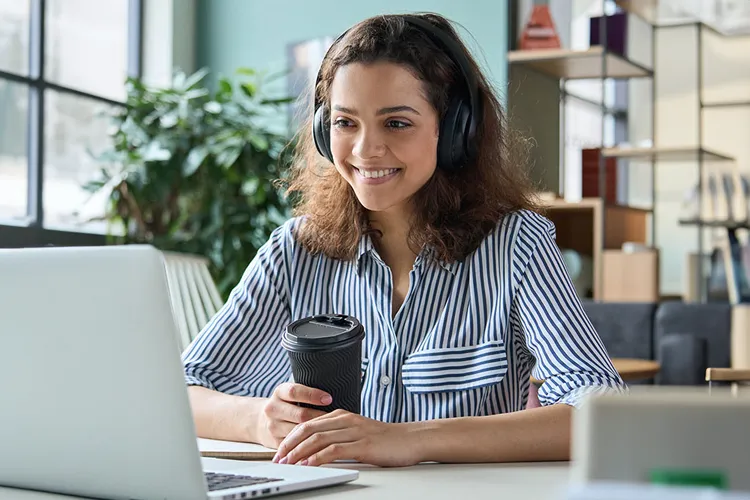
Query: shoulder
522, 230
518, 236
284, 236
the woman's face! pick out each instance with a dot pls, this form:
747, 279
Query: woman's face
384, 134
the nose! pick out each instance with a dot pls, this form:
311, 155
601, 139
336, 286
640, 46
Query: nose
369, 144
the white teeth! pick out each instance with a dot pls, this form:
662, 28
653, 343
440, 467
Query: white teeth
374, 174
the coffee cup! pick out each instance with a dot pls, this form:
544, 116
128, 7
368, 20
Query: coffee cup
325, 352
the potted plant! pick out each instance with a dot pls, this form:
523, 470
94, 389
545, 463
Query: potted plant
192, 170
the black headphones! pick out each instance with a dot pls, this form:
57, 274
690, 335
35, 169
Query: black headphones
457, 140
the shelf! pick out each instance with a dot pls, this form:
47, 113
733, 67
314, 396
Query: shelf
656, 13
729, 224
589, 203
667, 154
653, 12
578, 64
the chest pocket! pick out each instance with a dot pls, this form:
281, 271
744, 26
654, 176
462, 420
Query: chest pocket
455, 368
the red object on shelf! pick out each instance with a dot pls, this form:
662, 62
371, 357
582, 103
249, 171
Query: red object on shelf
540, 32
590, 176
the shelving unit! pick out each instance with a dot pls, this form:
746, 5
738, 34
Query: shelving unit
578, 64
592, 226
650, 12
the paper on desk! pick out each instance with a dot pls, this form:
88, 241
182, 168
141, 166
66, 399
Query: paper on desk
214, 448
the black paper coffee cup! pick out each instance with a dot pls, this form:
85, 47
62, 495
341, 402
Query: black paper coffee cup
325, 352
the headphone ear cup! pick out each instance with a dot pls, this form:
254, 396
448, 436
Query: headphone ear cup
322, 133
454, 130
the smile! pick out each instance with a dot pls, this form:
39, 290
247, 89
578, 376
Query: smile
377, 176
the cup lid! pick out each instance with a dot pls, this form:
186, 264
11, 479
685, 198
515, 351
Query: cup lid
323, 330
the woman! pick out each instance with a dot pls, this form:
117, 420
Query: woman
415, 216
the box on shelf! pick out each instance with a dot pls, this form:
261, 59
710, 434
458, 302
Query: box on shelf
617, 32
630, 276
590, 175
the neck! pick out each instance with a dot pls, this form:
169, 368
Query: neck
393, 244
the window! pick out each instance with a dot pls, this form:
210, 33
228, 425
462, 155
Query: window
63, 66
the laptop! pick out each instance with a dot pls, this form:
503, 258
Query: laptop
94, 401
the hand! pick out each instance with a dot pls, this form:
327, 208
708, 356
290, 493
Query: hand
280, 414
341, 435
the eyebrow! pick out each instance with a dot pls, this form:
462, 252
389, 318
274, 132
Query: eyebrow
381, 111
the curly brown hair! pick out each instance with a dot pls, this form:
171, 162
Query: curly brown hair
455, 211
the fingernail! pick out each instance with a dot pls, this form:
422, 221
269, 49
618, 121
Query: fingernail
303, 462
275, 458
283, 461
326, 400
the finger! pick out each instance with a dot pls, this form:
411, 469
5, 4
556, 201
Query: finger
304, 431
337, 451
288, 412
280, 430
320, 441
298, 393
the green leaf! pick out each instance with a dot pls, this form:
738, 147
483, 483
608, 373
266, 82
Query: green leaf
250, 186
258, 142
169, 120
278, 101
196, 78
154, 151
249, 89
212, 107
228, 157
225, 86
194, 160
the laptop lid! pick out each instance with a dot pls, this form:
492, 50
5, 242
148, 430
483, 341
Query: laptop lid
89, 370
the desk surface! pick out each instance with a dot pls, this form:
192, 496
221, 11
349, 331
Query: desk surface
434, 481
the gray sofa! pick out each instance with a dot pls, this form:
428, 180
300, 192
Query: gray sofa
684, 338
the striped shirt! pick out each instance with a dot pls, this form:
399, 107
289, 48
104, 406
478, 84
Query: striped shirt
464, 343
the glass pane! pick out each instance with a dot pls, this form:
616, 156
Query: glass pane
14, 179
87, 45
14, 36
75, 128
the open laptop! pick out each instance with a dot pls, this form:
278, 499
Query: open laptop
94, 401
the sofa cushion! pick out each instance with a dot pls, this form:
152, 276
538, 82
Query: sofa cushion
710, 322
626, 328
684, 359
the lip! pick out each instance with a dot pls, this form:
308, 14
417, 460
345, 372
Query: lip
372, 180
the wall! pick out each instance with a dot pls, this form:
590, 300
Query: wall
255, 33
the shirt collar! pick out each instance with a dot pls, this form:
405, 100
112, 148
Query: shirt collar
366, 247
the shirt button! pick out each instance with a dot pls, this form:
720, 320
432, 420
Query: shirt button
385, 380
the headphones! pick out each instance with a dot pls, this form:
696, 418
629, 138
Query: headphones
457, 132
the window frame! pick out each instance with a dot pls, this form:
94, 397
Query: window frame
31, 232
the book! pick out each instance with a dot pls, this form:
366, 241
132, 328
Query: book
214, 448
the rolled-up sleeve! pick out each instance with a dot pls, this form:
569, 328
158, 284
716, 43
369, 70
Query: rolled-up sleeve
238, 351
570, 356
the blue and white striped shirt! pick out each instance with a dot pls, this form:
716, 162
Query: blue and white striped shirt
463, 343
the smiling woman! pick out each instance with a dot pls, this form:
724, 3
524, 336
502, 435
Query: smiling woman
414, 215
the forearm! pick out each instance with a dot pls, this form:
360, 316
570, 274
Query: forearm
223, 416
540, 434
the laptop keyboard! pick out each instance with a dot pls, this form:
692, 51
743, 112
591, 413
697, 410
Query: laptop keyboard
219, 481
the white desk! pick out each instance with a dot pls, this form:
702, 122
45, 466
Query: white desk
539, 481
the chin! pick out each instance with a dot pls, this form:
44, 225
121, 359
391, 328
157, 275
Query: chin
378, 204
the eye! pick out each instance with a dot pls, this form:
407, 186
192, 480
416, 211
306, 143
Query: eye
397, 124
342, 122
